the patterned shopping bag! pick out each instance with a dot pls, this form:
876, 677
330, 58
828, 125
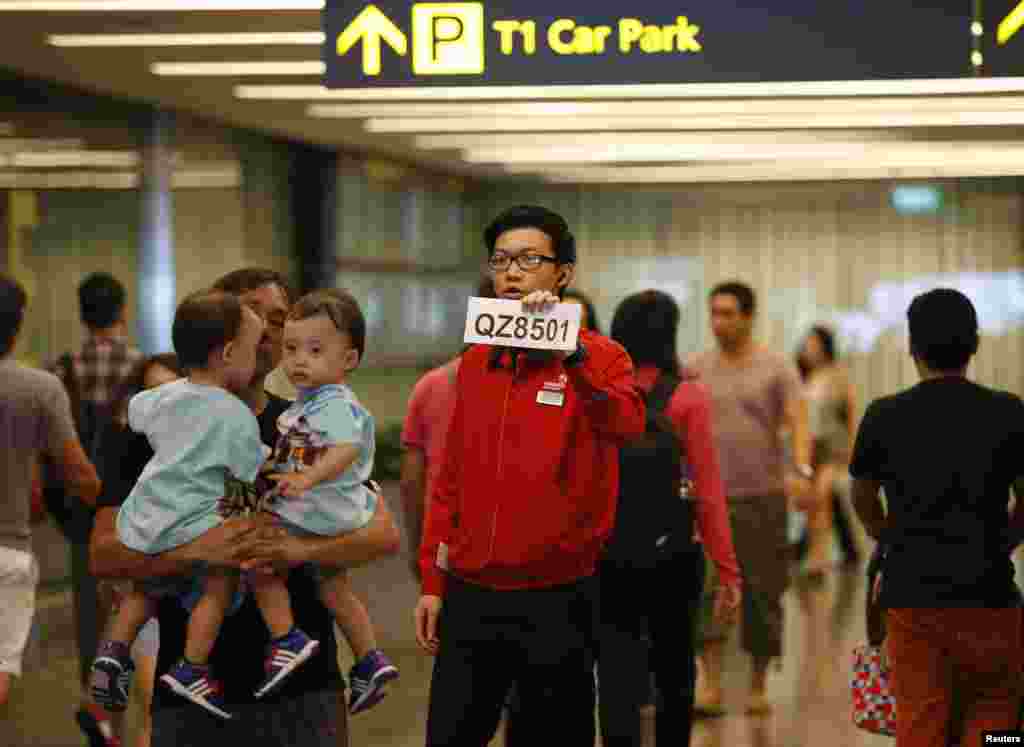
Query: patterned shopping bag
874, 706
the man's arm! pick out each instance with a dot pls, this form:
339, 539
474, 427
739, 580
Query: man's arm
274, 546
225, 545
795, 417
439, 506
78, 473
608, 391
414, 488
868, 505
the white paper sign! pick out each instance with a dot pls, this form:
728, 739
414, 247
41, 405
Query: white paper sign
493, 321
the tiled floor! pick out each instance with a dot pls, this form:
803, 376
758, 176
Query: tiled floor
810, 690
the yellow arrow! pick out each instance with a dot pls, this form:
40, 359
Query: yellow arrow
1011, 24
372, 26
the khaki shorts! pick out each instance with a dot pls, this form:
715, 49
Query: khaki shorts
19, 574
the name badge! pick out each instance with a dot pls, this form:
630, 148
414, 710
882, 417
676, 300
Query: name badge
547, 397
497, 321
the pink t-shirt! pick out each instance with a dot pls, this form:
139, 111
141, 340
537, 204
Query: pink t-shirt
749, 405
429, 415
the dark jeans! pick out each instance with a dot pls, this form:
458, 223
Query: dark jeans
661, 603
542, 639
90, 617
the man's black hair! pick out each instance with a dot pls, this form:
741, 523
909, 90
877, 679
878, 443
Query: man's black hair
742, 292
645, 324
252, 278
100, 300
12, 311
943, 329
534, 216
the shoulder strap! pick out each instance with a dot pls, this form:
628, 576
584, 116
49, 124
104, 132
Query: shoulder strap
661, 393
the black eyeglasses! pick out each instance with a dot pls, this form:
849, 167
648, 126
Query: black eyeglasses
527, 262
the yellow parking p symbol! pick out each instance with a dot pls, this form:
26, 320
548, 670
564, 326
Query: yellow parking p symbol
448, 38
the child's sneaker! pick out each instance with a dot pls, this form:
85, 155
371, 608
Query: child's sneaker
284, 656
111, 676
368, 679
194, 683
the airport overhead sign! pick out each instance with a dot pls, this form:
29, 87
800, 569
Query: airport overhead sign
1004, 37
390, 43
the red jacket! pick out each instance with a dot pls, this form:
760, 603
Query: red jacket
526, 495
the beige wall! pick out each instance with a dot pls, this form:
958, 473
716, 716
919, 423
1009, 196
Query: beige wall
813, 252
54, 238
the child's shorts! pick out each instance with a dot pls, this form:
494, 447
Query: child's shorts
319, 572
188, 590
19, 574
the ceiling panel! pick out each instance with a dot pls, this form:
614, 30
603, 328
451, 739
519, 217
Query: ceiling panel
438, 139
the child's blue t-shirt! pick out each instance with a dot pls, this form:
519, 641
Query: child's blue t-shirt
326, 416
207, 454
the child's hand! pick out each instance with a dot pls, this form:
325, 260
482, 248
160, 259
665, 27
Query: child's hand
291, 484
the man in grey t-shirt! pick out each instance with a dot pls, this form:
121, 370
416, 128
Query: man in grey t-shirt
35, 418
756, 394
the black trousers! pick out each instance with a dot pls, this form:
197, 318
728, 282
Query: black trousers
660, 604
541, 639
90, 617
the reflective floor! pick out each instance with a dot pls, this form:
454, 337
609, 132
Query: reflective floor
810, 688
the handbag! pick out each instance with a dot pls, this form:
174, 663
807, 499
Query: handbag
874, 705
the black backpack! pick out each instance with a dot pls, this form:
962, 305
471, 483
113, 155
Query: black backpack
653, 520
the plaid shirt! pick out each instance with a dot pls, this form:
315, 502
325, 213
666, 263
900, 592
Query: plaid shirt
101, 366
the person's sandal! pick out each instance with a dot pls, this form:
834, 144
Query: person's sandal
708, 709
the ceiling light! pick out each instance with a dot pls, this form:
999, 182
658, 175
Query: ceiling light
851, 120
208, 176
309, 67
284, 38
859, 88
68, 180
74, 158
787, 172
114, 6
745, 152
683, 139
15, 144
677, 108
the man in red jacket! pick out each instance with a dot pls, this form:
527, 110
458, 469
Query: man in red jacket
520, 512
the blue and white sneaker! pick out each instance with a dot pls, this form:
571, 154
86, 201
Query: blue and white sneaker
368, 680
284, 656
194, 683
110, 679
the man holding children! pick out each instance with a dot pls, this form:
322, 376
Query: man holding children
243, 479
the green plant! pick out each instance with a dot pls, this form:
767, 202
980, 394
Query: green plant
388, 458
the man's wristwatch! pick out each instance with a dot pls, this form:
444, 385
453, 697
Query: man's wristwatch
577, 357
